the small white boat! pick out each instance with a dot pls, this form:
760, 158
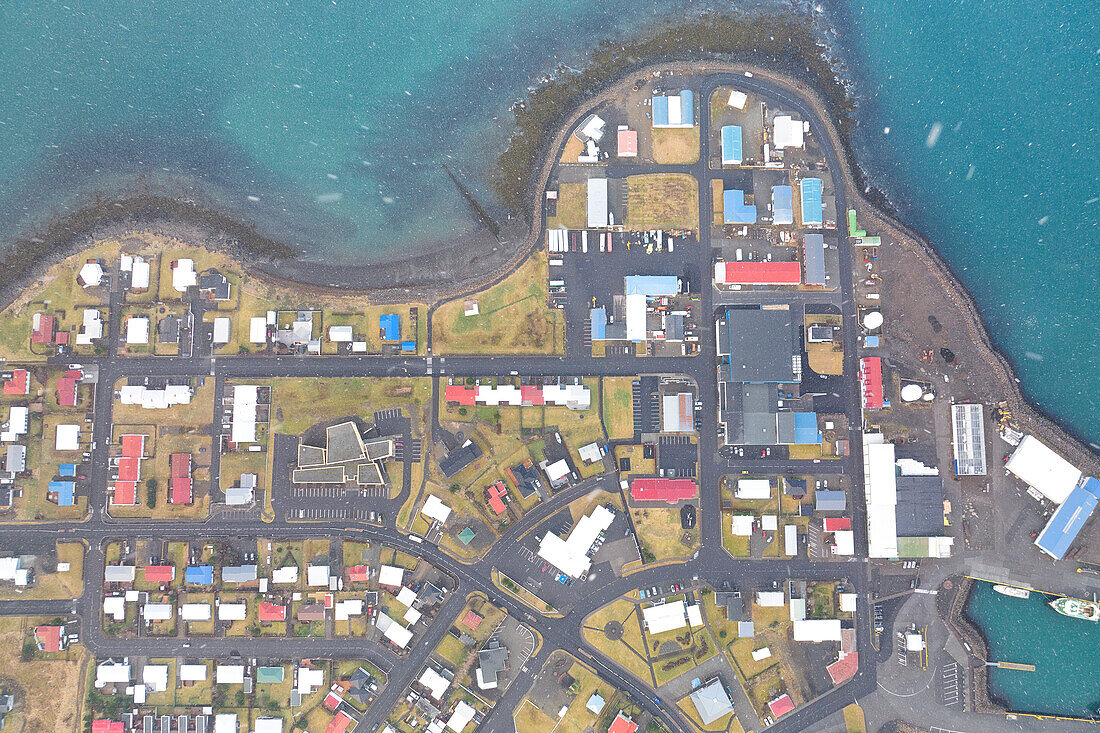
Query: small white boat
1011, 590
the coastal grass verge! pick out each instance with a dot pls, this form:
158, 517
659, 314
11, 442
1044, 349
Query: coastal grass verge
513, 317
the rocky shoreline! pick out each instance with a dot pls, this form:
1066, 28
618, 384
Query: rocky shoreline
980, 699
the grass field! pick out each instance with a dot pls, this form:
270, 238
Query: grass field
627, 651
513, 317
718, 204
662, 201
59, 585
677, 145
618, 407
660, 534
572, 207
48, 692
854, 721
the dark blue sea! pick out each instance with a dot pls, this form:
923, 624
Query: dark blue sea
327, 122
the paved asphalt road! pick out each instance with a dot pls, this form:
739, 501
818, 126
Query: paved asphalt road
712, 565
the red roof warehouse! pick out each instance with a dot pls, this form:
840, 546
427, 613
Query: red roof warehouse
763, 273
870, 382
669, 490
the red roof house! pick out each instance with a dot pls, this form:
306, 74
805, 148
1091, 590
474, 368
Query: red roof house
48, 638
622, 724
332, 701
670, 490
129, 469
19, 383
43, 326
471, 621
781, 705
496, 493
836, 524
340, 723
359, 573
61, 338
125, 493
870, 382
107, 726
133, 446
271, 612
762, 273
66, 391
160, 573
461, 395
628, 144
844, 668
531, 394
181, 478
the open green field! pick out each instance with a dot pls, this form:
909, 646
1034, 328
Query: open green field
660, 534
662, 201
513, 317
676, 145
572, 207
618, 407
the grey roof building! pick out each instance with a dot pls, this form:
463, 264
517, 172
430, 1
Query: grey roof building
492, 660
758, 345
711, 701
238, 573
830, 501
459, 458
919, 506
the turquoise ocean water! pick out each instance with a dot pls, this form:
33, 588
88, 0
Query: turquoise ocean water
327, 122
1028, 631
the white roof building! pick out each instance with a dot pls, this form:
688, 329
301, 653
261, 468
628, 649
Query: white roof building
817, 629
91, 274
770, 599
435, 509
91, 327
343, 610
229, 674
257, 330
243, 423
155, 399
393, 631
753, 488
137, 330
597, 203
195, 612
193, 672
390, 576
19, 419
695, 616
848, 602
285, 575
112, 673
67, 437
406, 597
157, 611
309, 679
557, 471
665, 617
233, 611
676, 413
184, 275
221, 330
845, 541
741, 525
155, 677
139, 274
340, 334
115, 607
461, 717
591, 453
789, 133
1034, 463
571, 555
412, 616
436, 683
737, 99
880, 479
269, 725
225, 723
119, 573
317, 575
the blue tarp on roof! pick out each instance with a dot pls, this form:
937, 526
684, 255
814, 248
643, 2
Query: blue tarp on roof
408, 346
1069, 519
782, 205
731, 145
687, 107
199, 575
805, 429
660, 111
811, 201
67, 470
651, 285
391, 327
66, 492
735, 210
598, 318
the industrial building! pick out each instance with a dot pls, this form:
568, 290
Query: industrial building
905, 514
1069, 519
674, 110
968, 430
731, 145
652, 311
1034, 463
